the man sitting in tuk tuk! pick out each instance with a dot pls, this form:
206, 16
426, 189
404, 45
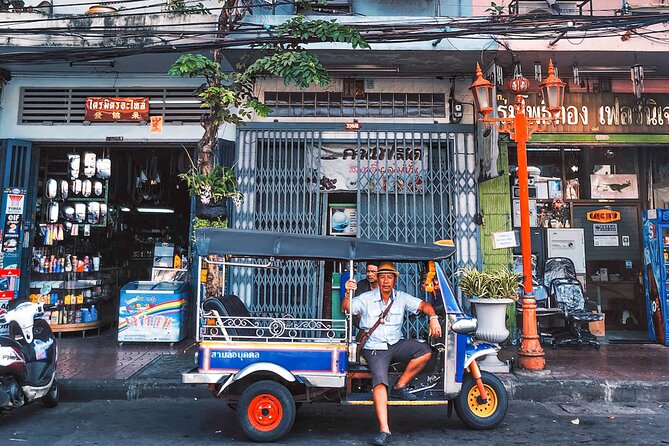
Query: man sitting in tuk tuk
384, 308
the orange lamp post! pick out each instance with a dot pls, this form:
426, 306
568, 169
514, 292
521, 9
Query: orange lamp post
520, 128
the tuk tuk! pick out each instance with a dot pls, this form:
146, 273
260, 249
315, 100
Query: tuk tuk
267, 365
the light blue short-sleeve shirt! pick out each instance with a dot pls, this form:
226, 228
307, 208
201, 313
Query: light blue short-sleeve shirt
370, 306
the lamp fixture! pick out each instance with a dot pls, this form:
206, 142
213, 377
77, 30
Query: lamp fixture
552, 90
125, 209
537, 71
155, 210
482, 91
93, 64
637, 75
575, 70
363, 69
613, 69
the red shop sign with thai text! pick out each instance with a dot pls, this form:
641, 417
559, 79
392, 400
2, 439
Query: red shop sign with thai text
117, 109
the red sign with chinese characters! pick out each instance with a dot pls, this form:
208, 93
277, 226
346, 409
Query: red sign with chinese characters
117, 109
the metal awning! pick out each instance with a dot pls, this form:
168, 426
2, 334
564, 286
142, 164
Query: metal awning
240, 243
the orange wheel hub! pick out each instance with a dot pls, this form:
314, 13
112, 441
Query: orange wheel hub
486, 409
265, 412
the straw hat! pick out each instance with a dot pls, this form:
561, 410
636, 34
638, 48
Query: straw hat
388, 267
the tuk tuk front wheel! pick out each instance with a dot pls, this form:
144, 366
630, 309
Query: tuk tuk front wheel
266, 411
475, 413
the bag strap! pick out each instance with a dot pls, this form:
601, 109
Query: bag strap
382, 317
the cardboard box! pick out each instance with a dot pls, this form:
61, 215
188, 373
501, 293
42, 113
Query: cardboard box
597, 328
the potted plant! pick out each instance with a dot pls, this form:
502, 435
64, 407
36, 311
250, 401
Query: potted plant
212, 187
490, 292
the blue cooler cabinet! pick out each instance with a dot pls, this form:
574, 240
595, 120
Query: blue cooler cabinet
655, 228
152, 312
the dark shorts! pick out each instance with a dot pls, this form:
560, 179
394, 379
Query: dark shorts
404, 351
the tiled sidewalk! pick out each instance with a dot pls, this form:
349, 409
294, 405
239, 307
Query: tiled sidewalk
101, 357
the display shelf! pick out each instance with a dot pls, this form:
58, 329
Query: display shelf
68, 286
95, 288
101, 199
82, 327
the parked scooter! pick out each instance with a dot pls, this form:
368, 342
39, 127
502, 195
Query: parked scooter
28, 357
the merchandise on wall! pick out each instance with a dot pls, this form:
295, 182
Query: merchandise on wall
101, 214
596, 189
68, 271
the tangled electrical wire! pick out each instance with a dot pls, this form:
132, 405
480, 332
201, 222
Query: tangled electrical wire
118, 37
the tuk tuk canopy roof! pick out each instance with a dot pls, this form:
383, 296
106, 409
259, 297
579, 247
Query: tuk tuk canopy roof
242, 243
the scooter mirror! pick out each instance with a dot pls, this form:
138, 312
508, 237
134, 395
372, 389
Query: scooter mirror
465, 326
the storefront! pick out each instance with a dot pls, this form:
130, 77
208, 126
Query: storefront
410, 182
105, 216
591, 176
101, 205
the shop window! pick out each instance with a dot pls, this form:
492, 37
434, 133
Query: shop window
612, 174
322, 104
335, 105
296, 105
412, 105
347, 106
361, 107
386, 104
309, 105
281, 107
374, 104
400, 103
660, 177
574, 174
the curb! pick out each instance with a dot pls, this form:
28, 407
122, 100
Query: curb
128, 389
518, 387
580, 390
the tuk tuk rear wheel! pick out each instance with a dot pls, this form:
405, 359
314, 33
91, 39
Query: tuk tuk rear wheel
266, 411
473, 412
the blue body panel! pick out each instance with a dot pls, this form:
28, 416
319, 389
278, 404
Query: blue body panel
295, 360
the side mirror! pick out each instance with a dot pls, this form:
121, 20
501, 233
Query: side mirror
465, 326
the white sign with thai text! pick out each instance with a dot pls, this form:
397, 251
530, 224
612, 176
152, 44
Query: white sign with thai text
605, 229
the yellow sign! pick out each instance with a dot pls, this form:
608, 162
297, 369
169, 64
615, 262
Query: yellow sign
603, 216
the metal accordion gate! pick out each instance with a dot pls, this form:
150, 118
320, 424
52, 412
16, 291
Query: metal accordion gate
414, 184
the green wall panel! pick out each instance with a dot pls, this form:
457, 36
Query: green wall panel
495, 202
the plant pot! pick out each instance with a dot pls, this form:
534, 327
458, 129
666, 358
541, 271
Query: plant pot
491, 316
212, 211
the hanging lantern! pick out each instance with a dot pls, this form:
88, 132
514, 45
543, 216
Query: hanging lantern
552, 90
637, 79
537, 71
482, 90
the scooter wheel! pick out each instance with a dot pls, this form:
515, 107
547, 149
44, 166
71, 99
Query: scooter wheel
266, 411
475, 413
51, 398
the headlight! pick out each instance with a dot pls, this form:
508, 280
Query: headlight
465, 326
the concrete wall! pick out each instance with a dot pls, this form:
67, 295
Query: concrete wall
385, 85
10, 128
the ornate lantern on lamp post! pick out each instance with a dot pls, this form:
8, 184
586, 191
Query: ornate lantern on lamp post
520, 128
